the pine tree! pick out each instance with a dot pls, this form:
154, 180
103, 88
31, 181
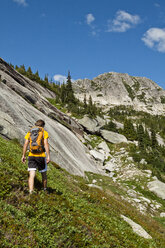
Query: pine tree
11, 65
111, 126
91, 108
147, 140
70, 98
37, 77
90, 102
46, 78
57, 99
140, 136
63, 93
85, 101
29, 73
129, 130
21, 69
154, 142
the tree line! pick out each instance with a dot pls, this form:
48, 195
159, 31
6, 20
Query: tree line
145, 137
64, 94
147, 147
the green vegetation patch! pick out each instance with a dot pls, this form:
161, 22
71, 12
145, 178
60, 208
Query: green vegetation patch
129, 89
140, 186
162, 99
110, 126
136, 85
95, 140
95, 86
71, 215
141, 97
57, 105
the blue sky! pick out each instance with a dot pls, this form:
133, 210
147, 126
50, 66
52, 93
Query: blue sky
87, 37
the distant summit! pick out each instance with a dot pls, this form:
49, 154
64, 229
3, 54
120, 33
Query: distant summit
113, 89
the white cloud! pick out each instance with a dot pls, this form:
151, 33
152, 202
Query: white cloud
21, 2
122, 22
62, 79
89, 19
155, 38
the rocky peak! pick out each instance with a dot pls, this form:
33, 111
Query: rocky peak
111, 89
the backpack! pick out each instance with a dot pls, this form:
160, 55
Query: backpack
37, 140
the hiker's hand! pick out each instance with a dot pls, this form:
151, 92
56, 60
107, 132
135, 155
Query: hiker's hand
47, 160
23, 159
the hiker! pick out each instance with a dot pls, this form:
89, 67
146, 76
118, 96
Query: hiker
37, 137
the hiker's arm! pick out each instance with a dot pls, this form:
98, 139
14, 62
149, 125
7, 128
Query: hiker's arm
24, 151
46, 145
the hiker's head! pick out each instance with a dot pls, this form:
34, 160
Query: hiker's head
40, 123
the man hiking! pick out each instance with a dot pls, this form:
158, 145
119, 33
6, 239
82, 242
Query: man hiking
37, 138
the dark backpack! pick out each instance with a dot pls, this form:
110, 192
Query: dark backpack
37, 140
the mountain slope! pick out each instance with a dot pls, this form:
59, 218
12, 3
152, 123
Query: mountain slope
72, 215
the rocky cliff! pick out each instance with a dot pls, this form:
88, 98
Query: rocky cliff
111, 89
22, 102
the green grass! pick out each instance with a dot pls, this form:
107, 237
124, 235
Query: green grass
141, 187
94, 140
57, 105
71, 215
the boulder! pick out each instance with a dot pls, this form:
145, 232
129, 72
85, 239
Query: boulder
136, 200
118, 124
142, 161
104, 149
137, 228
94, 181
91, 125
86, 137
158, 188
94, 186
103, 146
109, 166
101, 122
113, 137
149, 172
160, 140
145, 199
97, 155
130, 159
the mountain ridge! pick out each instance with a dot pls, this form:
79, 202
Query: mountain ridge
114, 89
